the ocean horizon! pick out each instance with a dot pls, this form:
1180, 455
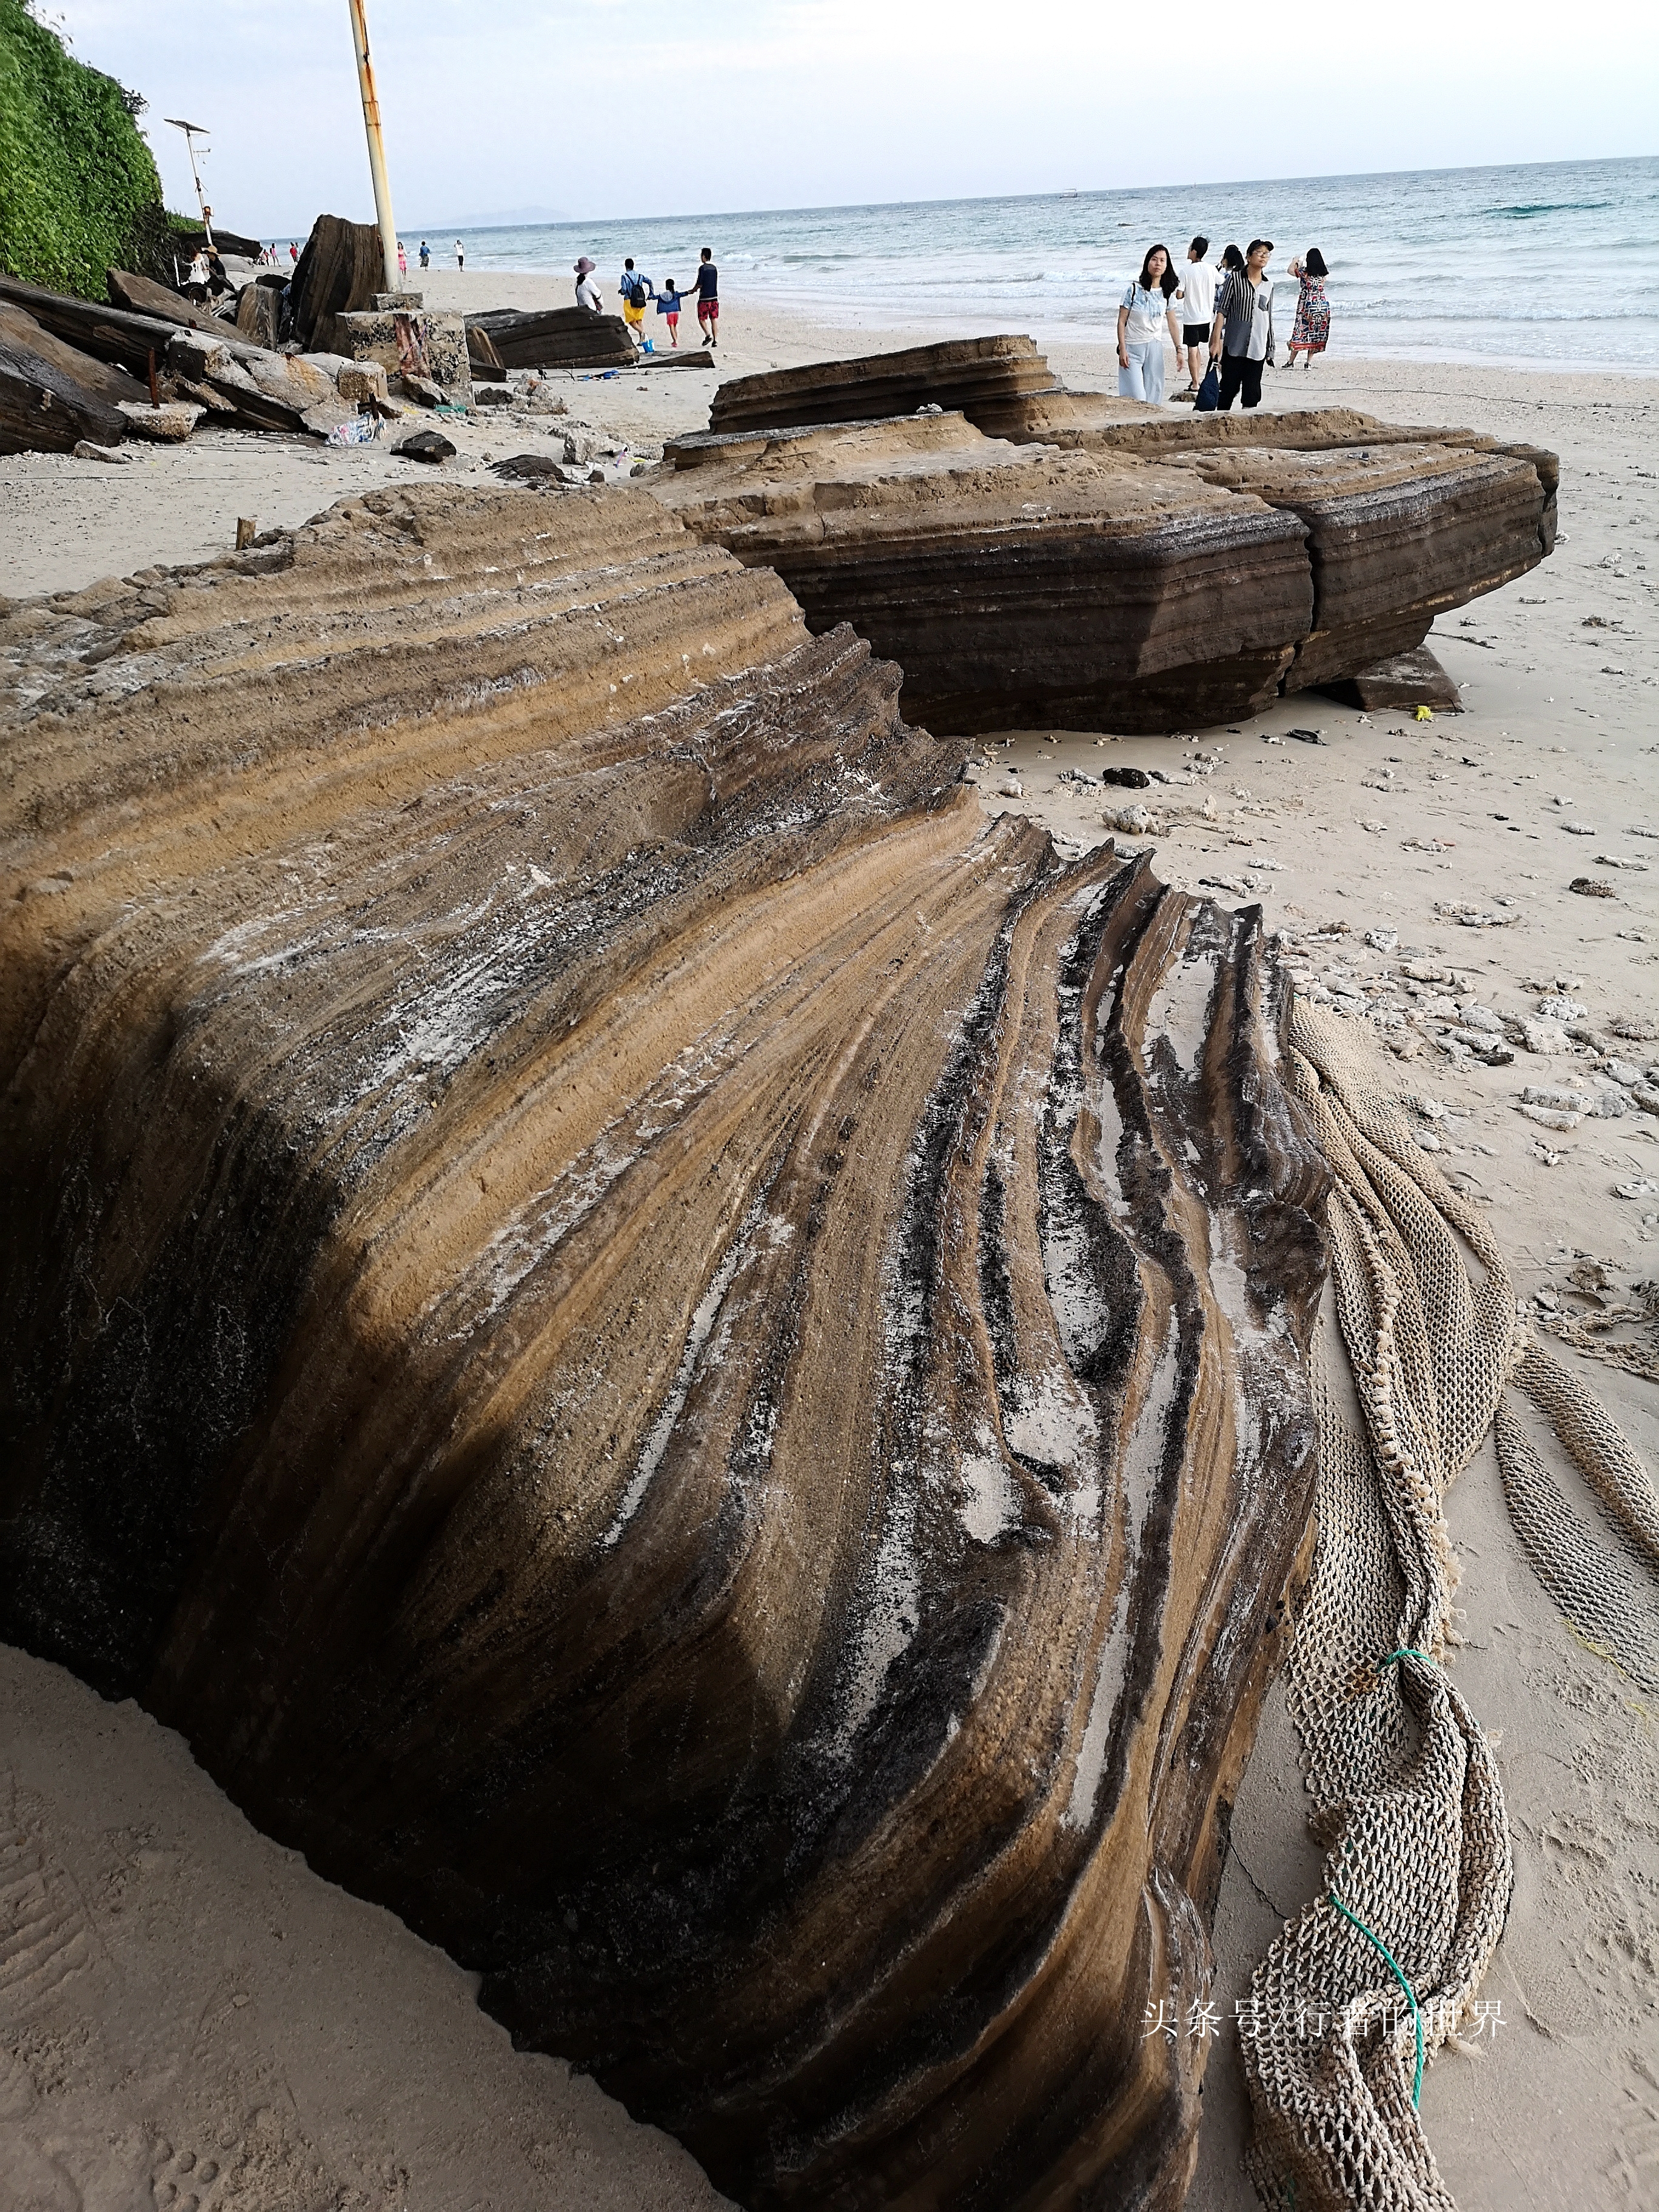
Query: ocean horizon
1544, 265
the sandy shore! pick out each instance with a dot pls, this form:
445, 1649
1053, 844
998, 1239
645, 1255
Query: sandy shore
177, 1989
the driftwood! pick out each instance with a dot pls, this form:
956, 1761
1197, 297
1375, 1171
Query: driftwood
671, 1354
43, 409
555, 337
142, 295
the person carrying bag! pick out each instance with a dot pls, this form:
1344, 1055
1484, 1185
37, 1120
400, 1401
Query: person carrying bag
1242, 342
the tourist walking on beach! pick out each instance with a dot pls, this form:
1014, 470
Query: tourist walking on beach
426, 255
668, 305
1143, 314
1197, 298
1242, 335
402, 259
1311, 333
709, 300
636, 288
587, 292
460, 255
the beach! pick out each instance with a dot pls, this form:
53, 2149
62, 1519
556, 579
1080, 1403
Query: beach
184, 1986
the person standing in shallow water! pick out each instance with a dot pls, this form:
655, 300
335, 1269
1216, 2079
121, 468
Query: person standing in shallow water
1143, 313
1311, 331
1242, 335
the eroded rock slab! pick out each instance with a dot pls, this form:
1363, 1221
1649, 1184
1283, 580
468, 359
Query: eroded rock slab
1397, 534
1014, 583
673, 1356
985, 379
1095, 596
1409, 679
549, 337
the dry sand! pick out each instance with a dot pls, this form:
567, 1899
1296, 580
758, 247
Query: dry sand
173, 1988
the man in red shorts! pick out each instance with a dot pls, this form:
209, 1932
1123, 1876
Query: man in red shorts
709, 299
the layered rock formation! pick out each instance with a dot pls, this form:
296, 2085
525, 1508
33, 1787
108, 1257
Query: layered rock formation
1138, 574
1013, 584
988, 380
506, 338
672, 1355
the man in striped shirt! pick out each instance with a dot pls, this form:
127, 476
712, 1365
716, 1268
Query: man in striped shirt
1242, 335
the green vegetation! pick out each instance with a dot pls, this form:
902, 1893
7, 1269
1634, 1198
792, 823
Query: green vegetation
78, 186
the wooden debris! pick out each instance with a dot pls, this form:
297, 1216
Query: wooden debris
110, 334
259, 314
23, 333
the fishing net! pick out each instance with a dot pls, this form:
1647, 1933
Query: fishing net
1414, 1357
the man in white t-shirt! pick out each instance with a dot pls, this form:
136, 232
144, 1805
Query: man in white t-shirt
1196, 299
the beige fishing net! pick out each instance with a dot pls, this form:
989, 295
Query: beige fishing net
1413, 1361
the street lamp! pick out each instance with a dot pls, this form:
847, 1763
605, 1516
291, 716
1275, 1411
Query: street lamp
193, 131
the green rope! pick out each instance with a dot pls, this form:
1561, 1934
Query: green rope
1407, 1651
1394, 1968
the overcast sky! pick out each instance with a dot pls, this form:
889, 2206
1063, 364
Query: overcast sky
618, 107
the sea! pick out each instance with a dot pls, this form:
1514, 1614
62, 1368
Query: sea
1549, 265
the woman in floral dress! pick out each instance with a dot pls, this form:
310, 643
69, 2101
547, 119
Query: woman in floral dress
1312, 328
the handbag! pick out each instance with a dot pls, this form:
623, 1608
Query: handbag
1209, 393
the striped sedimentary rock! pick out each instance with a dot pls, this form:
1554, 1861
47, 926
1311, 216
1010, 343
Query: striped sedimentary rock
1015, 585
989, 379
675, 1356
1064, 567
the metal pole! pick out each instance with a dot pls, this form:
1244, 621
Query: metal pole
376, 144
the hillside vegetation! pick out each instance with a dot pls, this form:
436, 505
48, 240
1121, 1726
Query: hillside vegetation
78, 186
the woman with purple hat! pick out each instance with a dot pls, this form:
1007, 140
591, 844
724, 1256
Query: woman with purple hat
587, 292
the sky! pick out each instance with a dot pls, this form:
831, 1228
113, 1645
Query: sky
617, 108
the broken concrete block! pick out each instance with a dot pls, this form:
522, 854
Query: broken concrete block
362, 379
429, 345
174, 420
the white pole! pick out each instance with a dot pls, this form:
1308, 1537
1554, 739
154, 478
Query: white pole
376, 144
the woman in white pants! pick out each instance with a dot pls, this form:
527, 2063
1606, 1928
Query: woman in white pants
1143, 316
